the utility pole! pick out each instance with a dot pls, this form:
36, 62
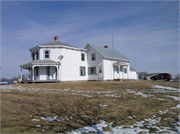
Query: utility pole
0, 72
112, 41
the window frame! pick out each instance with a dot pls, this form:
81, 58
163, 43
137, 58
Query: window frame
93, 58
125, 70
45, 54
118, 70
84, 68
90, 70
82, 56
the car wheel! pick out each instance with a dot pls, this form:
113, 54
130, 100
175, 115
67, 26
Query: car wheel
153, 79
166, 79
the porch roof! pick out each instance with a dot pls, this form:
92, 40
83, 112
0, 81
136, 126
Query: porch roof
39, 62
120, 63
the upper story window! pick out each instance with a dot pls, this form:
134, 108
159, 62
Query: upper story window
82, 57
37, 55
46, 54
93, 56
32, 54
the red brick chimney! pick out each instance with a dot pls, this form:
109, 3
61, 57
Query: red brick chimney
106, 46
55, 38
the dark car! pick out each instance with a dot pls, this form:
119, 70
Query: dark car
162, 76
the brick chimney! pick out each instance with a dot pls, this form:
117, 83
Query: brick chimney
106, 46
55, 38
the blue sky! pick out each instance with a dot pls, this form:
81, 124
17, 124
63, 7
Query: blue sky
145, 31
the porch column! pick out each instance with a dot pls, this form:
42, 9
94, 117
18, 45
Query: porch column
119, 71
123, 72
57, 73
32, 73
21, 73
128, 69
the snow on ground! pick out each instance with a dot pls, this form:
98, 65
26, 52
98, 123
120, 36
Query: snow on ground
132, 129
168, 88
98, 128
138, 93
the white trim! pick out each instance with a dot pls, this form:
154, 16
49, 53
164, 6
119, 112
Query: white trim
57, 46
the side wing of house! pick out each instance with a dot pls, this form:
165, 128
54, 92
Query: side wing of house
108, 64
95, 64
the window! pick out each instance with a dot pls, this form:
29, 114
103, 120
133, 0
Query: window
91, 70
82, 71
36, 71
37, 55
93, 56
100, 70
125, 70
117, 69
46, 54
82, 57
121, 69
32, 55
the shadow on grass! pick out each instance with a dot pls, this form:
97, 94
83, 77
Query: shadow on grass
59, 117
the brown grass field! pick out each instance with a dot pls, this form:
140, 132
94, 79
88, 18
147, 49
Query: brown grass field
79, 104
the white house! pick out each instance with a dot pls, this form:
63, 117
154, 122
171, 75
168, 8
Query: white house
57, 61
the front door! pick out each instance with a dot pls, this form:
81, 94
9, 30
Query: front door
100, 72
116, 72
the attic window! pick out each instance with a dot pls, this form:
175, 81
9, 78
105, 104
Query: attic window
93, 56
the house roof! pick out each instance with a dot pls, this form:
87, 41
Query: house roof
108, 53
56, 42
40, 62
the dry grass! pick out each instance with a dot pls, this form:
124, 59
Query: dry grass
75, 108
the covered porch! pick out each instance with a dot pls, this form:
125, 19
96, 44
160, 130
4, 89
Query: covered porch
41, 71
121, 70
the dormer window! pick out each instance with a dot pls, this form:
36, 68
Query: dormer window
46, 54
